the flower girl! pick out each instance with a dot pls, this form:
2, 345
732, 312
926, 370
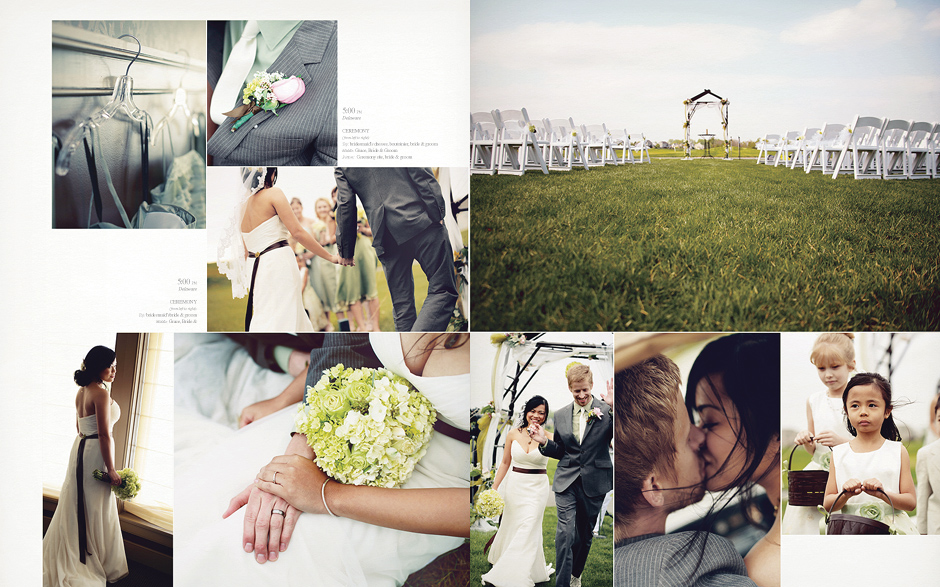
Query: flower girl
833, 355
874, 463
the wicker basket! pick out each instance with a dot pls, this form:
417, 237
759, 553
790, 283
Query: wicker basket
857, 525
806, 487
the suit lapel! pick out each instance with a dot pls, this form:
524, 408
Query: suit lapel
306, 46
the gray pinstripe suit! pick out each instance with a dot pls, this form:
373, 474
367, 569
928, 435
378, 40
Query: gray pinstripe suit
584, 475
302, 133
672, 560
405, 207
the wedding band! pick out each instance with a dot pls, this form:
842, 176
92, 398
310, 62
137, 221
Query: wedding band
277, 511
275, 478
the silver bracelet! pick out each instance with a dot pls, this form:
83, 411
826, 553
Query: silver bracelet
323, 497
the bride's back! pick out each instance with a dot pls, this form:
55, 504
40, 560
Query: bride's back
258, 209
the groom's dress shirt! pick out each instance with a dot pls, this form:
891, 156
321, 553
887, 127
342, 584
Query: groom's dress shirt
272, 39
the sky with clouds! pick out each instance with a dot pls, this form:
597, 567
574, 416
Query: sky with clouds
782, 65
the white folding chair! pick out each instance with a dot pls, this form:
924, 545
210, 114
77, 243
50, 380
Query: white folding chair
767, 142
918, 150
825, 154
483, 147
933, 160
621, 140
805, 143
786, 149
639, 148
893, 146
593, 145
861, 155
517, 143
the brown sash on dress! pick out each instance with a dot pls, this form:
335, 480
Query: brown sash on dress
254, 271
82, 538
452, 431
530, 471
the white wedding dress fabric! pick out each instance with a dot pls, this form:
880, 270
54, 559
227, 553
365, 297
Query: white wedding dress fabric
277, 300
104, 559
324, 551
516, 554
827, 415
884, 465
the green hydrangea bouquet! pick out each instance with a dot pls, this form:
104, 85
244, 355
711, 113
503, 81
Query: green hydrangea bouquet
367, 426
489, 503
130, 483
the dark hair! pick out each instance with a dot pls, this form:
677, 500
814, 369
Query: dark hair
270, 176
888, 429
97, 360
747, 369
533, 402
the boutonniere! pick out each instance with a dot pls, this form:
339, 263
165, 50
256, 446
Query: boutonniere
267, 91
595, 414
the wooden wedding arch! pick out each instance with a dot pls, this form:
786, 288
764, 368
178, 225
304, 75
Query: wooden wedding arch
696, 102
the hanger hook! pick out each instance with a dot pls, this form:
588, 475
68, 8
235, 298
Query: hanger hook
135, 56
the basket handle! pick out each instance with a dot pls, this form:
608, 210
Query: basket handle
790, 460
890, 502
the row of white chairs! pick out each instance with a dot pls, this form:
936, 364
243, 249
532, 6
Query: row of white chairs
869, 148
509, 142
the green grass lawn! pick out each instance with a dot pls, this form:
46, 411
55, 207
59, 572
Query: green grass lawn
701, 245
226, 314
600, 563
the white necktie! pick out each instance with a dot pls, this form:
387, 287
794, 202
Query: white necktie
236, 70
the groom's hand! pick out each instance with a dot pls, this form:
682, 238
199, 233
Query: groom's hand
537, 434
609, 398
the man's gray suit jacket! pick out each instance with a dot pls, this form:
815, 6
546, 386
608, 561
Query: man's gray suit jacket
400, 203
673, 560
302, 133
588, 459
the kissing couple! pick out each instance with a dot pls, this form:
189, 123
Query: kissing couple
584, 476
722, 437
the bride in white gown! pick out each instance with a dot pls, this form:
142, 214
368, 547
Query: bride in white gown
95, 529
380, 535
516, 554
260, 226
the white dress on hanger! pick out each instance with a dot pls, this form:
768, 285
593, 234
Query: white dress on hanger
277, 301
324, 551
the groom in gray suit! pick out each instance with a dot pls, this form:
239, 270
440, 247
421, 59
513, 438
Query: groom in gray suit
583, 431
405, 208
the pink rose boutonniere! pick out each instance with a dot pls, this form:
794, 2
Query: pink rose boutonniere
267, 91
595, 414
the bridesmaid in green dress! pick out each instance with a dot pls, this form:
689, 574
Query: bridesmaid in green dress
323, 278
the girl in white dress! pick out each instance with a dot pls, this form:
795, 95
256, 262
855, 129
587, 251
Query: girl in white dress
516, 554
874, 462
833, 354
84, 545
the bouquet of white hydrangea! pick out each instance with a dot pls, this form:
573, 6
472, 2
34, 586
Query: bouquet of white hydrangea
367, 426
130, 483
489, 503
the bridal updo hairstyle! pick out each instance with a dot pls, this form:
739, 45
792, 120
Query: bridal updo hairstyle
534, 402
270, 177
97, 360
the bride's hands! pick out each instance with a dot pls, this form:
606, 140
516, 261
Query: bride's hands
264, 532
115, 478
299, 481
